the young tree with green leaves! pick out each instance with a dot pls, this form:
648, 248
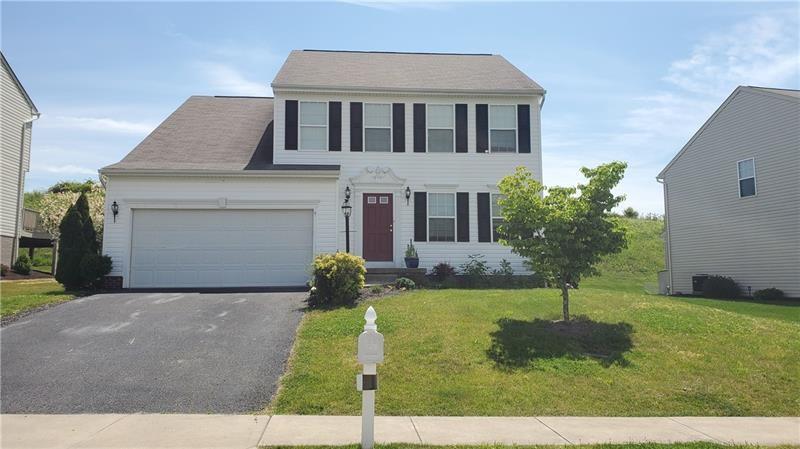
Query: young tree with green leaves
563, 231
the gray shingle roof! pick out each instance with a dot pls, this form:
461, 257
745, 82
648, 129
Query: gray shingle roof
787, 92
437, 72
219, 133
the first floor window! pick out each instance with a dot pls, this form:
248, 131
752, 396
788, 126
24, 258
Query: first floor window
441, 217
313, 125
747, 177
503, 128
497, 216
441, 128
377, 127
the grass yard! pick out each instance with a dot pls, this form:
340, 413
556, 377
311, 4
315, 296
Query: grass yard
19, 296
499, 352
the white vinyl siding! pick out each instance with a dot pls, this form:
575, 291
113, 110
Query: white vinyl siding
497, 215
747, 177
313, 125
503, 128
441, 128
710, 229
377, 127
441, 217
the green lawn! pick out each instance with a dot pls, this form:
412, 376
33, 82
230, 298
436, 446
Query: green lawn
499, 352
19, 296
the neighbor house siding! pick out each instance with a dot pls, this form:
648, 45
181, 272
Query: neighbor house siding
15, 112
711, 230
469, 172
192, 192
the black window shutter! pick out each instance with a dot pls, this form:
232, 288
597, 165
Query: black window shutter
524, 127
461, 128
356, 123
462, 211
482, 128
419, 127
420, 216
335, 126
484, 218
291, 125
398, 127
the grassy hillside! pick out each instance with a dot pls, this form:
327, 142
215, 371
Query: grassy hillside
637, 266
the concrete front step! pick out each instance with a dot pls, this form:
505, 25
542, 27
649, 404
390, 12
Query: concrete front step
389, 275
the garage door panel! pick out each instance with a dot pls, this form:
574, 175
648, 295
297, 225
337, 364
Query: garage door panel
220, 248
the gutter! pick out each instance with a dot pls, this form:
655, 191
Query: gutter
348, 89
277, 173
27, 124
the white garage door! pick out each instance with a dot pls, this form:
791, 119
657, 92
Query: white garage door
220, 248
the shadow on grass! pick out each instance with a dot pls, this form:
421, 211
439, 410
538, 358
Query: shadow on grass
517, 343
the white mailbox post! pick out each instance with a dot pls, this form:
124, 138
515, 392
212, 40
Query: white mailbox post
370, 353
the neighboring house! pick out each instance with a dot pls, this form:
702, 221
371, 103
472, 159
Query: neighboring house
732, 196
237, 191
18, 114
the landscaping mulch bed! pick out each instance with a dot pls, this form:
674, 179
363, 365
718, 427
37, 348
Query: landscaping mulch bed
11, 276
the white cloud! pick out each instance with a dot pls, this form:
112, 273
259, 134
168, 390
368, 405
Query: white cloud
97, 124
395, 5
66, 169
761, 51
228, 81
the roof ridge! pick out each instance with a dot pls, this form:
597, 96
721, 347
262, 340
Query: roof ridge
243, 96
399, 52
774, 88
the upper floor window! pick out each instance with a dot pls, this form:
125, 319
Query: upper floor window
313, 125
497, 216
441, 217
377, 127
503, 128
747, 177
441, 128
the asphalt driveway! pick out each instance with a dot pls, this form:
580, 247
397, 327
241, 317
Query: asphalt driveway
149, 352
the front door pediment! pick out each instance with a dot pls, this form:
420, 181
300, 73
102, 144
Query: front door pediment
377, 176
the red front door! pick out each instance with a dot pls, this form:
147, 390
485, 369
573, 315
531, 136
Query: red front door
378, 232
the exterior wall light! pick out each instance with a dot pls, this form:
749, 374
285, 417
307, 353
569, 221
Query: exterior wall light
408, 195
114, 210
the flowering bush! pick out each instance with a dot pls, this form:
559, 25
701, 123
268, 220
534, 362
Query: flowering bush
337, 279
53, 206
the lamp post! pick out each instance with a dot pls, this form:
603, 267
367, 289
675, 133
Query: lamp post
347, 209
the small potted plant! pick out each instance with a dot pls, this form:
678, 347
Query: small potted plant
412, 258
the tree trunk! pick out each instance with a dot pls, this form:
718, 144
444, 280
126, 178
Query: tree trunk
565, 297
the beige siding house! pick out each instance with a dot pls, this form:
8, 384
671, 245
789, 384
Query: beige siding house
18, 113
732, 196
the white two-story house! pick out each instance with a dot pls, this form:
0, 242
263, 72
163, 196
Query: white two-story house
242, 191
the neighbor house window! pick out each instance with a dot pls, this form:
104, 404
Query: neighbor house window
377, 127
503, 128
441, 217
441, 128
747, 177
497, 216
313, 125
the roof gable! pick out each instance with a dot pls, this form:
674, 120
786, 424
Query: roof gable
782, 94
395, 71
16, 80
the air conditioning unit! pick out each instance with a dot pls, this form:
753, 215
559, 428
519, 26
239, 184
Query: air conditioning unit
698, 280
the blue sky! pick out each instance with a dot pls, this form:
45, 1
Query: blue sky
625, 81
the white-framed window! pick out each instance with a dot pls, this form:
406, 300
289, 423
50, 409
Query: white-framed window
377, 127
441, 217
747, 177
441, 125
497, 216
503, 128
313, 125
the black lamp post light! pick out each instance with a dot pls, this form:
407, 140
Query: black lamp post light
114, 210
347, 209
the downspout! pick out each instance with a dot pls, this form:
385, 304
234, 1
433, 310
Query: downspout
669, 235
27, 124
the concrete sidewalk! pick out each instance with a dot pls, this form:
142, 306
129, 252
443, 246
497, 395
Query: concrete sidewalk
248, 431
